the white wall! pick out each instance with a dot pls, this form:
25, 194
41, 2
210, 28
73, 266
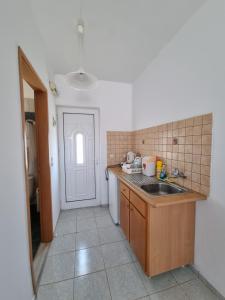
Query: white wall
187, 79
114, 100
17, 28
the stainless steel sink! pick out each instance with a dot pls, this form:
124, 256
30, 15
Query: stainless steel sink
162, 188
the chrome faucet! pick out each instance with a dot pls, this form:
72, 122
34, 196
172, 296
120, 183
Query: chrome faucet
177, 173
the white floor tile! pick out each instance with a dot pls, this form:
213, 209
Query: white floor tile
65, 226
68, 214
86, 224
115, 254
58, 267
174, 293
125, 283
157, 283
101, 211
127, 245
183, 274
88, 261
92, 287
84, 213
110, 234
61, 244
87, 239
197, 290
104, 221
56, 291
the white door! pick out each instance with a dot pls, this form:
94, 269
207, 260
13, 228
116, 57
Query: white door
78, 137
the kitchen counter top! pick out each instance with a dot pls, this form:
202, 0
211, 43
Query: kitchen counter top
153, 200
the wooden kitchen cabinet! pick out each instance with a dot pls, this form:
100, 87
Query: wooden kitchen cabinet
163, 237
138, 230
125, 215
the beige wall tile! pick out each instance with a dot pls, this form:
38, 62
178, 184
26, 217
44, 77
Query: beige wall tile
188, 167
207, 119
207, 129
205, 160
181, 156
181, 140
197, 140
198, 120
188, 157
205, 180
196, 168
189, 131
188, 149
196, 158
204, 189
196, 177
197, 130
207, 139
182, 132
181, 148
197, 149
206, 149
205, 170
189, 140
189, 122
196, 187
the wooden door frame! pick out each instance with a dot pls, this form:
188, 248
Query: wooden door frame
27, 73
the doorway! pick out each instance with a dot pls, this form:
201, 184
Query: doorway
41, 190
31, 156
79, 156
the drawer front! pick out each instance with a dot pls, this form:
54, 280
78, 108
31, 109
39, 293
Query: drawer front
125, 190
138, 203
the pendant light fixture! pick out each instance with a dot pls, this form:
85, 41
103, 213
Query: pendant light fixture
81, 80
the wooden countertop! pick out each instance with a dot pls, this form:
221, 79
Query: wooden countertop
158, 201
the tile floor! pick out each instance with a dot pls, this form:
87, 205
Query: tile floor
89, 259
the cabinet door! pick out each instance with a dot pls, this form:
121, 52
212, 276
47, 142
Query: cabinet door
138, 229
124, 215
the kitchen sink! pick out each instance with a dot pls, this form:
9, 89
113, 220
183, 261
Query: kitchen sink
162, 188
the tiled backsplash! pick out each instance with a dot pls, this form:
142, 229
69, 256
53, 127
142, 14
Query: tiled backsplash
118, 144
191, 154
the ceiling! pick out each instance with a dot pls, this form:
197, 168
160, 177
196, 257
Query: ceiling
122, 36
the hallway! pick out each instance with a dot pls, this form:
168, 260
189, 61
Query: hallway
89, 259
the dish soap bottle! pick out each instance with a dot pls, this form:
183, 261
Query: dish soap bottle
158, 168
163, 173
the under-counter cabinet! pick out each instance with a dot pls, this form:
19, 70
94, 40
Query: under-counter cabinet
138, 230
133, 211
163, 237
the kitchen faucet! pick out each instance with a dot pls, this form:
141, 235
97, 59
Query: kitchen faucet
177, 173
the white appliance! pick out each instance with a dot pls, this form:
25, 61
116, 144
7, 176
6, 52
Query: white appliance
130, 157
113, 197
148, 165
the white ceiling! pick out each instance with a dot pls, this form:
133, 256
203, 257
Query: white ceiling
122, 36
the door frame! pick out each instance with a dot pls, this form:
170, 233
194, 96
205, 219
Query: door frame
78, 110
28, 73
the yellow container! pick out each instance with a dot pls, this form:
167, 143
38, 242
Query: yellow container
159, 164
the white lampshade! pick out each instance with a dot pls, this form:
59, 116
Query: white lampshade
80, 80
